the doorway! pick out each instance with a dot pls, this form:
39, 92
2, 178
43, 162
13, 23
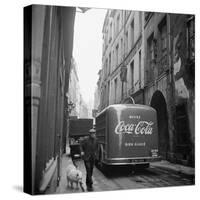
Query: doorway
159, 104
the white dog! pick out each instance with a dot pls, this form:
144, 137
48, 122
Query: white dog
74, 176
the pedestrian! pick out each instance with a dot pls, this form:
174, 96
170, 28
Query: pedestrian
88, 153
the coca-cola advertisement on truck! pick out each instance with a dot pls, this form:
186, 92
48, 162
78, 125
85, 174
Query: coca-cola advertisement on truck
127, 134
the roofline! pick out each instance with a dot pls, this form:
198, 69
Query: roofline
127, 105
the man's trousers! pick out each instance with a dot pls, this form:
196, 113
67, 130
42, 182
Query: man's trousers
89, 165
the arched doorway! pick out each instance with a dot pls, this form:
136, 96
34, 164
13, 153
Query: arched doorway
159, 104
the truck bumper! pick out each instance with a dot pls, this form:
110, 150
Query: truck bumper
131, 161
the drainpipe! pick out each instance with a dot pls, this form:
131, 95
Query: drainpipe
171, 103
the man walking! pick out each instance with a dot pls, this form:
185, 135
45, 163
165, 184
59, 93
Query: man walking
88, 153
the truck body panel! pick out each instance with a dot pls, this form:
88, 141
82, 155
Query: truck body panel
80, 127
127, 134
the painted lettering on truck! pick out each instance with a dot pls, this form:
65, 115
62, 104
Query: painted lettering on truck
142, 127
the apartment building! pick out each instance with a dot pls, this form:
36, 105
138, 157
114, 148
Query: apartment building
148, 58
122, 60
169, 81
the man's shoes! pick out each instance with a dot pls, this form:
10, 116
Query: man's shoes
89, 188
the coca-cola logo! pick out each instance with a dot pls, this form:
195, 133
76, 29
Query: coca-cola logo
141, 128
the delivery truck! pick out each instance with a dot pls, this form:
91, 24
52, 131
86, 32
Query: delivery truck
127, 134
78, 129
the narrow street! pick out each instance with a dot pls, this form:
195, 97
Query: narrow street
125, 178
112, 84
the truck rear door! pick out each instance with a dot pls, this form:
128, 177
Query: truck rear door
132, 132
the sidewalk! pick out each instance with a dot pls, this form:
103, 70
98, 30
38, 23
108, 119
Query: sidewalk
175, 167
63, 188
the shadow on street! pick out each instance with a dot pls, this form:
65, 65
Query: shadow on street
125, 171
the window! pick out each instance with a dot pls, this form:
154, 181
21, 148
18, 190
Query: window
140, 68
104, 100
107, 67
103, 43
191, 37
101, 97
104, 72
115, 92
150, 58
114, 29
106, 39
132, 74
117, 55
163, 37
108, 93
110, 39
126, 50
140, 21
117, 26
150, 52
109, 63
113, 59
161, 47
122, 49
132, 33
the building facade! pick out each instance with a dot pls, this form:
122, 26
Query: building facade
169, 82
83, 108
79, 106
159, 88
148, 58
48, 42
74, 95
97, 96
122, 63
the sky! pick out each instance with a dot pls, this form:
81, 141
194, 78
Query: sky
87, 50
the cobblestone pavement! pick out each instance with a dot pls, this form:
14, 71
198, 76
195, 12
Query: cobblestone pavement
157, 175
